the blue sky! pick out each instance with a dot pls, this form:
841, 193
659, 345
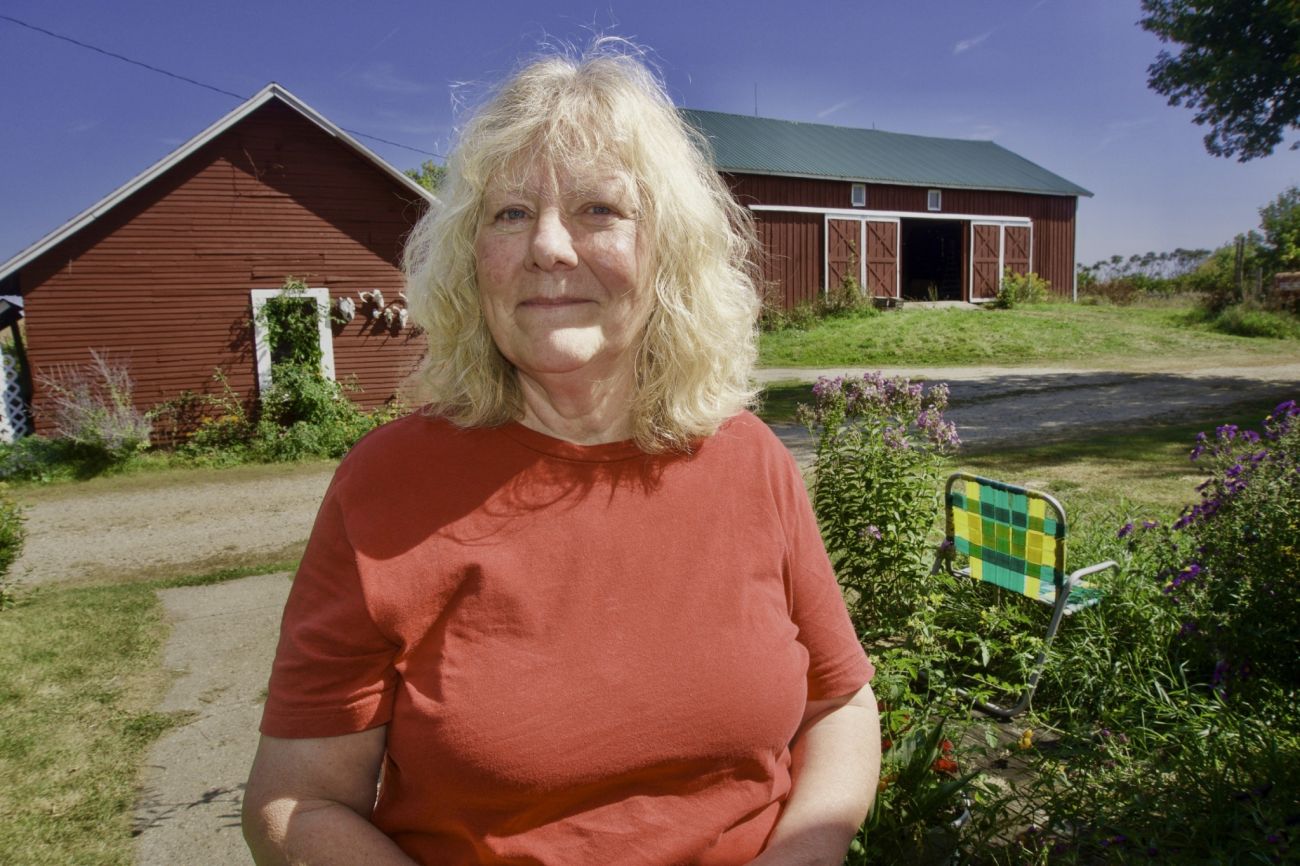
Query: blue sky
1060, 82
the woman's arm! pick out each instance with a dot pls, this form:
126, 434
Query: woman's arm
836, 763
309, 802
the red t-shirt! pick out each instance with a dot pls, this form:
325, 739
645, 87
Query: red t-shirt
584, 654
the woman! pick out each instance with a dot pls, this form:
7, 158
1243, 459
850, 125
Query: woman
577, 611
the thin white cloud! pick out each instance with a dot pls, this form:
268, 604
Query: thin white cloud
408, 123
1118, 130
82, 126
839, 106
382, 76
967, 44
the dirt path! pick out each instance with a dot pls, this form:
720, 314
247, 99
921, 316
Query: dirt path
188, 523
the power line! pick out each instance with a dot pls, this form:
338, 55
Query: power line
116, 56
187, 80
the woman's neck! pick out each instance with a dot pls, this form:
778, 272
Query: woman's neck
576, 409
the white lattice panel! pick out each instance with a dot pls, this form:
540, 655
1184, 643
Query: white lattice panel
13, 418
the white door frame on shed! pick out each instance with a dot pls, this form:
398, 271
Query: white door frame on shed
263, 348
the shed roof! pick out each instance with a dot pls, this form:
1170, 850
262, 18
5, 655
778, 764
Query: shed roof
263, 96
763, 145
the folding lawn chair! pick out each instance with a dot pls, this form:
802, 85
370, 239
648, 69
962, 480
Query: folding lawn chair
1014, 538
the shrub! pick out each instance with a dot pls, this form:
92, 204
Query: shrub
880, 443
1230, 564
1120, 292
91, 406
1248, 319
12, 536
1016, 289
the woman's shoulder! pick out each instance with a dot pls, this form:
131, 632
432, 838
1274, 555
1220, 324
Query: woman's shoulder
407, 443
746, 438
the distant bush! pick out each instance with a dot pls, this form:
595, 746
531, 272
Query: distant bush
1018, 289
37, 458
91, 405
845, 299
301, 415
1248, 319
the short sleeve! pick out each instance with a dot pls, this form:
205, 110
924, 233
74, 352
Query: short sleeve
333, 672
837, 664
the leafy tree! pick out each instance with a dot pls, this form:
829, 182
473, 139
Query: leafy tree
429, 175
1280, 221
1237, 66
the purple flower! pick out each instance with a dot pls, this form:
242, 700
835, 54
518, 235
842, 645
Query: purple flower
1150, 524
1226, 432
1124, 530
1221, 670
873, 531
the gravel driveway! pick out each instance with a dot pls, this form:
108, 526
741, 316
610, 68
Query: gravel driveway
139, 529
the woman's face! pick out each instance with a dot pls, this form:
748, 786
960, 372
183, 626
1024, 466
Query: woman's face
562, 271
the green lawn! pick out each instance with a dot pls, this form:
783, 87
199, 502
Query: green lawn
1066, 334
81, 677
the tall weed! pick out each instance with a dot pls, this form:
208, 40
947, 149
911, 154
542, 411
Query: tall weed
92, 406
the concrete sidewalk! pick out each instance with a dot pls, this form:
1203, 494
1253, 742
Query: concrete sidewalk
223, 638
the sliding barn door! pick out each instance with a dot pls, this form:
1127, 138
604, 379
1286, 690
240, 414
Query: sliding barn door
985, 260
1015, 251
882, 258
843, 243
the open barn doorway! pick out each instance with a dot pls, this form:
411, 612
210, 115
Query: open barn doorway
931, 260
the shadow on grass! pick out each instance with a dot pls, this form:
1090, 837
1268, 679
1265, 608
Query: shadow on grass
1147, 440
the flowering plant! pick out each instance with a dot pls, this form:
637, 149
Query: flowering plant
1230, 563
880, 442
921, 803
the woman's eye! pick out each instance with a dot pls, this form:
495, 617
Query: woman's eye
512, 214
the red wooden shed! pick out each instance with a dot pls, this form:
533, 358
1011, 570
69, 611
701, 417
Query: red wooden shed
909, 217
164, 273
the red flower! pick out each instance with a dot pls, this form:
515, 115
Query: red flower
945, 747
944, 765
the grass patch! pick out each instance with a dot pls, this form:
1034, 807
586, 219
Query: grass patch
1054, 333
780, 400
1144, 467
78, 688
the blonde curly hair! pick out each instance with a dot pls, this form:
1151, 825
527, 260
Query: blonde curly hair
694, 360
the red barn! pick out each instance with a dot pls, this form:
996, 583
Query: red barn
163, 274
908, 217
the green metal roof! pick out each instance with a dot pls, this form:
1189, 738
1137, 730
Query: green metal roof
761, 145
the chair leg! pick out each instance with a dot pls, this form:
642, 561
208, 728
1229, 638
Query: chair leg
1058, 611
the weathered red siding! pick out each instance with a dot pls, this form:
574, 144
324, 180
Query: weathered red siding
792, 257
162, 281
1053, 222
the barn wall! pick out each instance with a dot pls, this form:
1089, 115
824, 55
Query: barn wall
162, 281
1053, 219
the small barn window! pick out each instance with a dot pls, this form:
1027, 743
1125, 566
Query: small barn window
934, 200
859, 195
316, 303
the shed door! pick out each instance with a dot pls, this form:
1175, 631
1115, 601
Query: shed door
986, 260
882, 259
842, 242
1015, 253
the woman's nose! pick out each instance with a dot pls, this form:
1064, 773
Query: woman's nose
552, 245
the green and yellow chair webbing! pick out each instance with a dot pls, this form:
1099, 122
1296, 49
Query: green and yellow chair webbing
1013, 537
